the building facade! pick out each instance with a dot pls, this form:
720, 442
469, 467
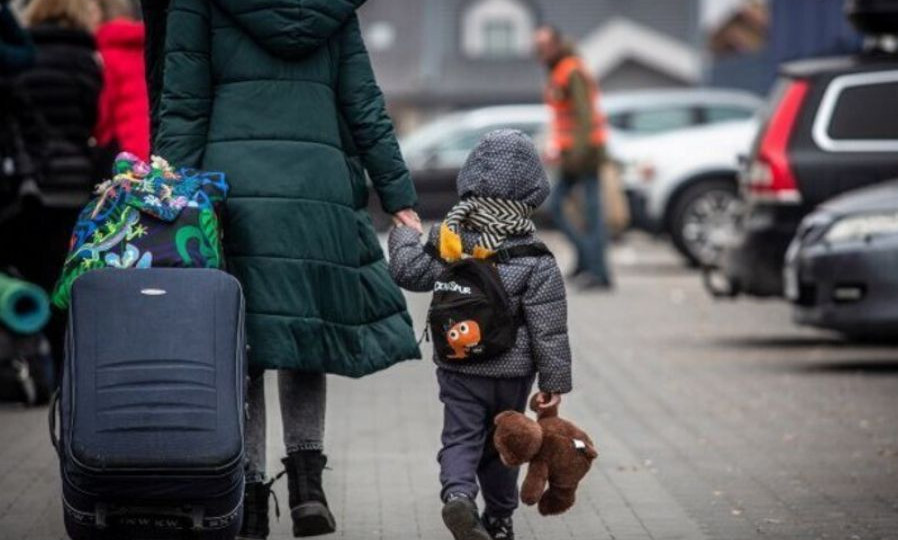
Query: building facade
750, 39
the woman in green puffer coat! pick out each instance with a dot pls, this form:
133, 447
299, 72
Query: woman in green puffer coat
280, 95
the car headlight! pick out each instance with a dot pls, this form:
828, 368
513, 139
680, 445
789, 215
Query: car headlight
862, 226
637, 173
814, 227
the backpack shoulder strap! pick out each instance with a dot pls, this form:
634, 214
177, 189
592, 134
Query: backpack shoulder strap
432, 250
536, 249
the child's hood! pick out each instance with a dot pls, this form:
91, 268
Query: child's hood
504, 165
290, 29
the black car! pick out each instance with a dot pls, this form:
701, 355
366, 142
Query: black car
832, 126
840, 270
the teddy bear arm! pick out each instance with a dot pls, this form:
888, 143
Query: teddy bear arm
535, 482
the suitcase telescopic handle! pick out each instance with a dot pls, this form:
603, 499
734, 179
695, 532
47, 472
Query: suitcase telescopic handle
54, 411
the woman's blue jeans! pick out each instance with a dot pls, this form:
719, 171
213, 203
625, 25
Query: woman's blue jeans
591, 240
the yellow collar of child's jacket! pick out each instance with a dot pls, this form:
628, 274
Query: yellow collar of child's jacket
451, 248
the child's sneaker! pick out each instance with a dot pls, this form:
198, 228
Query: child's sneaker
499, 528
460, 517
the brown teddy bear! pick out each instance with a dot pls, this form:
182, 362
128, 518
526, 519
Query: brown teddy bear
559, 454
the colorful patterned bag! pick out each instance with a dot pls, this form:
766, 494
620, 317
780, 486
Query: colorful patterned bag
147, 215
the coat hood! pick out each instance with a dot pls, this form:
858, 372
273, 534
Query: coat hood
121, 34
290, 28
504, 165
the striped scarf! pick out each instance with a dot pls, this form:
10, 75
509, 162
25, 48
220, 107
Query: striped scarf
494, 219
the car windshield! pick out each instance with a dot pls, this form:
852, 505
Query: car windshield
450, 139
427, 136
638, 120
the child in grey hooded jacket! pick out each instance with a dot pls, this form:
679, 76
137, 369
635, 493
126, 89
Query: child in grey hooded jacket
500, 185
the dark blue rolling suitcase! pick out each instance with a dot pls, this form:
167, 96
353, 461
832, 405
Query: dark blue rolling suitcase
151, 406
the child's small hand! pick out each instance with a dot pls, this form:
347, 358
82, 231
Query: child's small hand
547, 401
408, 218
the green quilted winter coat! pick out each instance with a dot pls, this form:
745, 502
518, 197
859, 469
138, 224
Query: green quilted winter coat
280, 95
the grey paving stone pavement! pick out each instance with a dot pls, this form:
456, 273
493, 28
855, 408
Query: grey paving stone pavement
715, 420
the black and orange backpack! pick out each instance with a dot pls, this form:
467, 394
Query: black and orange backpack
470, 316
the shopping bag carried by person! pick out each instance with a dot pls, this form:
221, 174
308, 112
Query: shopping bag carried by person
614, 201
147, 215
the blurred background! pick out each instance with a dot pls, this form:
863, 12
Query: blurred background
435, 56
742, 375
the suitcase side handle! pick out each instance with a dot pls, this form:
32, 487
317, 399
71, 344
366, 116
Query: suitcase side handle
54, 411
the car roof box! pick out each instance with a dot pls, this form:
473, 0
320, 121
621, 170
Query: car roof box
873, 17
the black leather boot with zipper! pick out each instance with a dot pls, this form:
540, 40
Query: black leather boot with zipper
308, 504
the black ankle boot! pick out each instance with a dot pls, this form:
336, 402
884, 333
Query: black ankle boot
255, 511
308, 505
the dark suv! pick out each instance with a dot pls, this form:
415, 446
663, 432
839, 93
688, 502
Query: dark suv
832, 126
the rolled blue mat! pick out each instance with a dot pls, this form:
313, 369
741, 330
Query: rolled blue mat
24, 307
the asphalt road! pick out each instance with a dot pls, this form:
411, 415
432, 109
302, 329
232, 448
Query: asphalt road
714, 420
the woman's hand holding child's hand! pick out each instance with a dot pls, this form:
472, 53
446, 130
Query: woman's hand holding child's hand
408, 218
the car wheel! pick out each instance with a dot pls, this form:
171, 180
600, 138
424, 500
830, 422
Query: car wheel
701, 217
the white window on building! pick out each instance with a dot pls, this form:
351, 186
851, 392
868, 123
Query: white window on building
497, 29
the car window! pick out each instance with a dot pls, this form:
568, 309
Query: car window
453, 151
619, 120
866, 112
724, 113
534, 129
460, 142
661, 120
857, 113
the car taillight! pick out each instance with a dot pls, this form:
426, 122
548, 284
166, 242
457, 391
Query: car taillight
770, 174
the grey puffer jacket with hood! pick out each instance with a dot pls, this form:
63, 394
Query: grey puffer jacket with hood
504, 165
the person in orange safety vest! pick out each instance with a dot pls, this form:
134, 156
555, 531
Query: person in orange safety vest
577, 145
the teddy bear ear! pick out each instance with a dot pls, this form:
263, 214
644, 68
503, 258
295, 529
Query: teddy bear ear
503, 415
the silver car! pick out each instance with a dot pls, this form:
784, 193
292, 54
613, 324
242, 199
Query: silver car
436, 151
